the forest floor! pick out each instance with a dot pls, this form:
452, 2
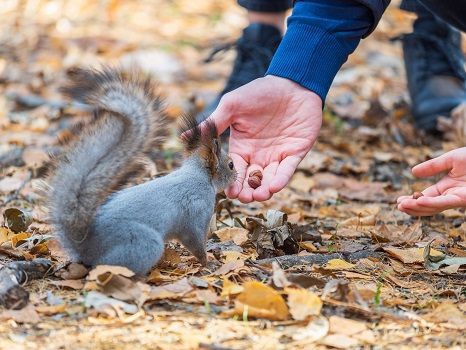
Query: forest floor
328, 262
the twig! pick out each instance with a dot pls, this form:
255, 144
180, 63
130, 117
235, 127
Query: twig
287, 261
12, 275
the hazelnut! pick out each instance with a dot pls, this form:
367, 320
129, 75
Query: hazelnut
254, 181
257, 173
417, 195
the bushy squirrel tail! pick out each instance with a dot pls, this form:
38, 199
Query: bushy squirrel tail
129, 122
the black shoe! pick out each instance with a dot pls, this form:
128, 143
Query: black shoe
255, 49
435, 70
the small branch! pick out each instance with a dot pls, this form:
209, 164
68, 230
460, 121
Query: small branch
287, 261
12, 275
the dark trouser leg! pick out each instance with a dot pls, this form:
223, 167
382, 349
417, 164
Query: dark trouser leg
257, 45
434, 66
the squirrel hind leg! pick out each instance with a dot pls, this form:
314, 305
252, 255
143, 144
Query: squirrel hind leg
138, 248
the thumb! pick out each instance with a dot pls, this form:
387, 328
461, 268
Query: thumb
223, 114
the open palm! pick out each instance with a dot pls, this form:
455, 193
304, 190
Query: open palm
448, 193
273, 124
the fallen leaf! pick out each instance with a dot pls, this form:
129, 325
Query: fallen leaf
301, 182
410, 255
17, 220
25, 315
369, 220
103, 269
448, 314
261, 301
237, 234
338, 264
157, 277
18, 238
228, 267
106, 305
73, 271
340, 325
278, 276
171, 291
49, 310
230, 288
339, 341
73, 284
316, 329
303, 303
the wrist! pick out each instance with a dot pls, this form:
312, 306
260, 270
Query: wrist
293, 87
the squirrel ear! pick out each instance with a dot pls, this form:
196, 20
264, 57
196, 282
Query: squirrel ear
190, 132
211, 147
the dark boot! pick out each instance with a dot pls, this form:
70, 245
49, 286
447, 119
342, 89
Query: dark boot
255, 49
434, 67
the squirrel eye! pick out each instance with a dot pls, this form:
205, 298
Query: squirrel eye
230, 165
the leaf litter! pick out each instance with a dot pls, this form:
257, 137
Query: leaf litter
326, 263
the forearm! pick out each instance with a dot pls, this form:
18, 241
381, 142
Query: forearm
320, 37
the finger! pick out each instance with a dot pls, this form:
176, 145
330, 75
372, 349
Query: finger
263, 193
441, 203
434, 166
284, 172
413, 206
415, 213
402, 198
241, 167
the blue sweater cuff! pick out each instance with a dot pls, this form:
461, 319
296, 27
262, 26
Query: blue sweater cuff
309, 56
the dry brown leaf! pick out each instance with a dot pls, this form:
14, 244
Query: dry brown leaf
368, 220
301, 182
237, 234
448, 314
157, 277
340, 325
228, 267
171, 291
73, 284
303, 303
105, 269
27, 314
73, 271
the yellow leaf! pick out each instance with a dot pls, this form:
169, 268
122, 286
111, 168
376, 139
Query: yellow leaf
308, 246
261, 301
51, 309
338, 264
410, 255
303, 303
5, 233
16, 239
40, 249
230, 288
237, 234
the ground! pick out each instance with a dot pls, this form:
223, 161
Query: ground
327, 263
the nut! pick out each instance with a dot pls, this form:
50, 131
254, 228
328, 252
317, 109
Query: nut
254, 181
417, 195
257, 173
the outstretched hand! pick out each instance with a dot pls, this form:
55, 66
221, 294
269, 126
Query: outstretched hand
448, 193
273, 123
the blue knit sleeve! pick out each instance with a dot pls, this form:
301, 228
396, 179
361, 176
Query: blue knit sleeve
320, 37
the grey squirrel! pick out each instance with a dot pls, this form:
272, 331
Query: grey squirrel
96, 221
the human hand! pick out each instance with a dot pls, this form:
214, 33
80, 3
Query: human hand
273, 124
448, 193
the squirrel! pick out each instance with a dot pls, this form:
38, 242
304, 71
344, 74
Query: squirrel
99, 222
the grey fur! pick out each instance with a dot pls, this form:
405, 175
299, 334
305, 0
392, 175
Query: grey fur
97, 225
